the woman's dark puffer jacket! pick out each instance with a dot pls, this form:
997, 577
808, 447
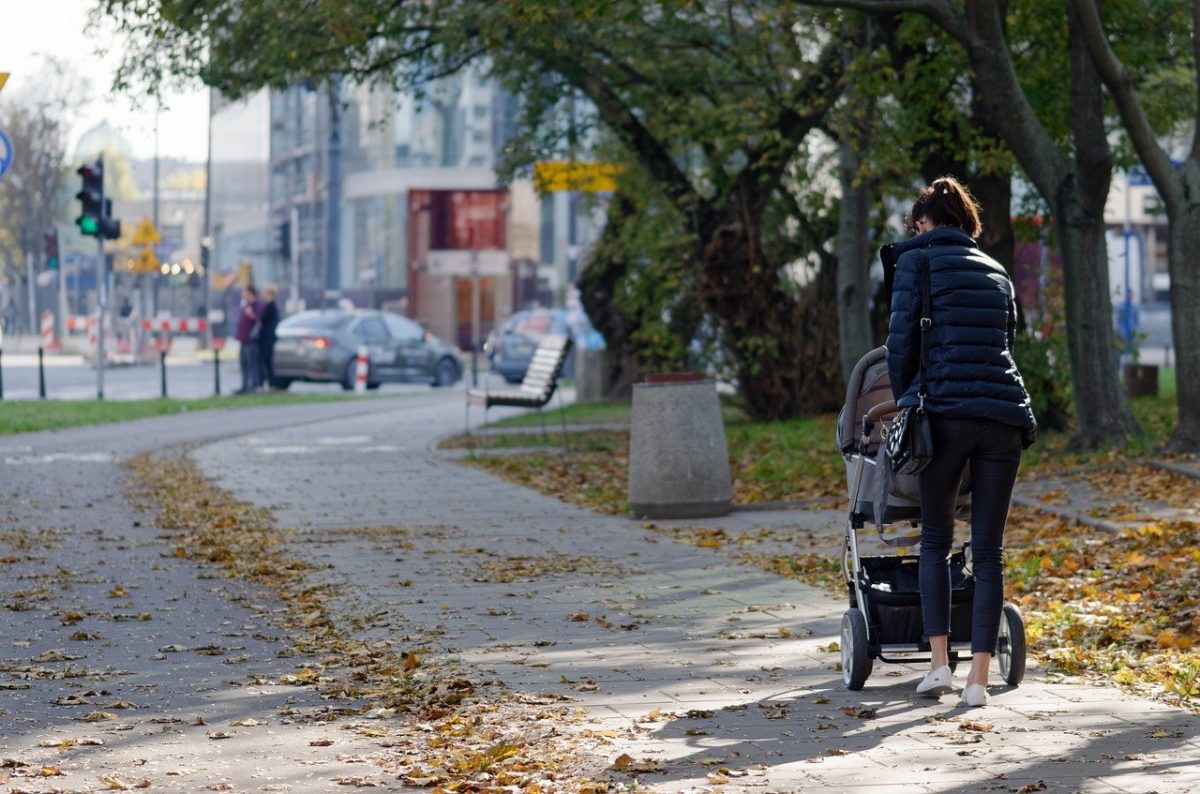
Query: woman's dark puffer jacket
970, 372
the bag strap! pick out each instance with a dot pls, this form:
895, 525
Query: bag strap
926, 322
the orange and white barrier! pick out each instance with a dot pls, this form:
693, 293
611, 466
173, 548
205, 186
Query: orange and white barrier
93, 342
178, 325
78, 323
360, 370
47, 339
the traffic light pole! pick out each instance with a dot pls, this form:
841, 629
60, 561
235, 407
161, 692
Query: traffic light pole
102, 284
102, 287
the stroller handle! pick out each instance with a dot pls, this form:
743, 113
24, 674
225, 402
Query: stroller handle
883, 409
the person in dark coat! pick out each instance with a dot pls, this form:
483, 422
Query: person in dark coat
247, 332
979, 413
268, 321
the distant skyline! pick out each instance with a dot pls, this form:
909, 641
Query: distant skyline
56, 27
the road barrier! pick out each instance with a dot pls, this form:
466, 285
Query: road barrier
49, 342
360, 370
177, 325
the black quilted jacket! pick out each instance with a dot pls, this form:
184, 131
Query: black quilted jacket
970, 371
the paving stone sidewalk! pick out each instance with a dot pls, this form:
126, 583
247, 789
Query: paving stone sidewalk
123, 666
697, 673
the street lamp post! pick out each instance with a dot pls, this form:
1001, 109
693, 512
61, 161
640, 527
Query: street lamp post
474, 314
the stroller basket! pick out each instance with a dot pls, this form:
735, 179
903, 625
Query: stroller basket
893, 597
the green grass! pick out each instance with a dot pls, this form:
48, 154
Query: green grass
27, 416
578, 414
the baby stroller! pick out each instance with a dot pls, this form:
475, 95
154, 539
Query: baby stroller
884, 618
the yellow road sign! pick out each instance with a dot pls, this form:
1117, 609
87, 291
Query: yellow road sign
3, 79
550, 176
147, 261
145, 233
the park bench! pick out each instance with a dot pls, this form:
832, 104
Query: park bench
538, 386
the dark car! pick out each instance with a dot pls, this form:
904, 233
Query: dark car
510, 347
323, 346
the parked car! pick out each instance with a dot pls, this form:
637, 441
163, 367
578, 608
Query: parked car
322, 345
510, 347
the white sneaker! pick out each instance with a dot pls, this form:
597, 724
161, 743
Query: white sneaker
974, 696
936, 683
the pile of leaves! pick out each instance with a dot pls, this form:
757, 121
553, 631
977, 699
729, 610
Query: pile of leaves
1121, 606
769, 462
445, 726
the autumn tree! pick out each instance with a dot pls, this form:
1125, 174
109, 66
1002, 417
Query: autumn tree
1174, 40
1072, 176
32, 194
711, 100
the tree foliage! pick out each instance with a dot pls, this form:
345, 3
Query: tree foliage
710, 101
32, 195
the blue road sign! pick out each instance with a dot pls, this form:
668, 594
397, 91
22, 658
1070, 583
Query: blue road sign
6, 153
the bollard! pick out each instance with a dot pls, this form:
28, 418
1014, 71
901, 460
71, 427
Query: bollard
162, 369
360, 370
678, 460
217, 370
41, 376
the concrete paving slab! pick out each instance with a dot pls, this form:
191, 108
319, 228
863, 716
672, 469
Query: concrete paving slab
709, 638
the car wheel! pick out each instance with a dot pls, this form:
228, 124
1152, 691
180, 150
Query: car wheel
348, 375
445, 373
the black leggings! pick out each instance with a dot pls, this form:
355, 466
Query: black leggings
994, 451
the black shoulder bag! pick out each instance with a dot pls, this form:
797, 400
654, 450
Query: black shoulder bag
909, 441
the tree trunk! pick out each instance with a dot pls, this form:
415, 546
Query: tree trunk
855, 337
597, 287
784, 348
1185, 314
1101, 408
1180, 189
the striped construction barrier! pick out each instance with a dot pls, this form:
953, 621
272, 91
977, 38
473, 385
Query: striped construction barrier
360, 370
178, 325
47, 338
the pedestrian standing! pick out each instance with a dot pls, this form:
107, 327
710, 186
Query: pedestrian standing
979, 413
268, 321
247, 332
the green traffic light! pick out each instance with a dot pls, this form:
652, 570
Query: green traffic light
88, 225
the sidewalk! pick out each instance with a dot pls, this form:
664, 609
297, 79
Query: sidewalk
693, 673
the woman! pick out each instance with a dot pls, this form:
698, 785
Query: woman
267, 321
978, 408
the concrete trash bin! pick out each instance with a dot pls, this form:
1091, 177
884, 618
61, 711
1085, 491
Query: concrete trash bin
678, 460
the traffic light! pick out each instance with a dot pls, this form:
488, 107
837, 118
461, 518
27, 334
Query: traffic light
283, 239
110, 226
52, 249
91, 198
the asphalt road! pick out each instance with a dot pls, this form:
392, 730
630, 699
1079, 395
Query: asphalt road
71, 378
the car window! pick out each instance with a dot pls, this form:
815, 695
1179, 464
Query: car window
403, 328
314, 321
534, 324
371, 328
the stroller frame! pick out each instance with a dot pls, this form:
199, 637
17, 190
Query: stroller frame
865, 635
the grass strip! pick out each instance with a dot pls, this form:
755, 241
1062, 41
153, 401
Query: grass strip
28, 416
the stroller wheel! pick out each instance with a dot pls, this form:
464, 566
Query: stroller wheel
1010, 645
856, 657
